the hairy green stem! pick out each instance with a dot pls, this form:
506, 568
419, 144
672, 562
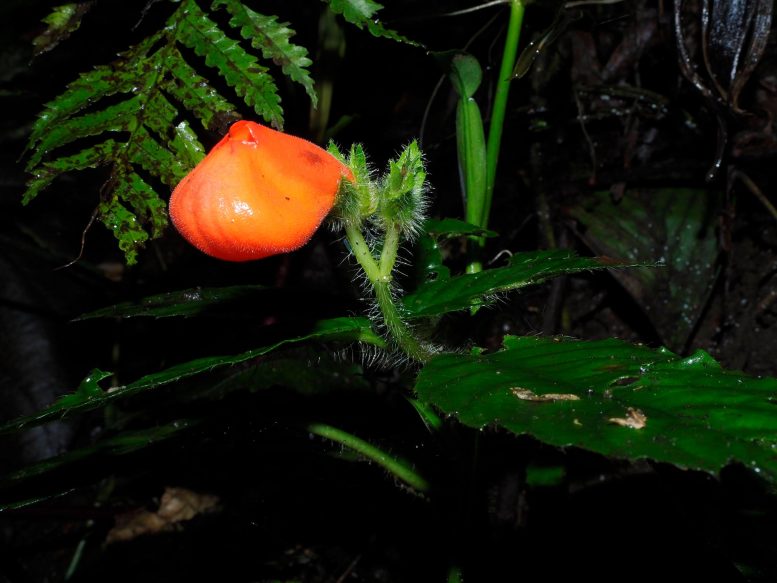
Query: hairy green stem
362, 253
399, 468
388, 255
396, 326
379, 276
496, 124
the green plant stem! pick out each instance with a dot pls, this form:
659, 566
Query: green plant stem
397, 467
496, 124
396, 326
388, 255
379, 276
362, 253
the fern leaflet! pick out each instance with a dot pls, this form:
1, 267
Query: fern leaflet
363, 13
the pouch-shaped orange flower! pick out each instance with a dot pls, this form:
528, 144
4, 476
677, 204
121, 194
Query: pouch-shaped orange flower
258, 192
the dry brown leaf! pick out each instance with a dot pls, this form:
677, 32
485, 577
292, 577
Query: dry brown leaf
527, 395
635, 419
176, 505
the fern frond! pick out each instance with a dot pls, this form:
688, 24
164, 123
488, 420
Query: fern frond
102, 81
194, 91
272, 38
44, 174
185, 145
240, 69
155, 159
116, 118
363, 13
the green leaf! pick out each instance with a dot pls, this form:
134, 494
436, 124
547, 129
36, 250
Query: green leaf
272, 38
323, 373
188, 302
89, 158
400, 468
613, 398
62, 21
443, 229
465, 74
427, 257
103, 81
185, 145
116, 118
121, 444
195, 92
672, 226
476, 289
15, 486
337, 329
563, 19
364, 13
240, 69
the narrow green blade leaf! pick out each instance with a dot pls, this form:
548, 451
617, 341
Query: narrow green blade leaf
187, 302
476, 289
123, 443
15, 487
613, 398
337, 329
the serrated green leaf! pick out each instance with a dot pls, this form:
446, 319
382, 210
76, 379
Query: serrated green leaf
188, 302
613, 398
159, 114
146, 152
240, 69
356, 11
115, 118
90, 158
362, 13
91, 86
125, 227
336, 329
194, 91
185, 145
272, 38
476, 289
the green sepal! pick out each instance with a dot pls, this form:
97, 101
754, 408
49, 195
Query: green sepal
403, 192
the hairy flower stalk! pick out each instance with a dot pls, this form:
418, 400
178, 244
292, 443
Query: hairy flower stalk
389, 210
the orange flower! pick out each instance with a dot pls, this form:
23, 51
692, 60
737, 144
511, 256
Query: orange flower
257, 193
